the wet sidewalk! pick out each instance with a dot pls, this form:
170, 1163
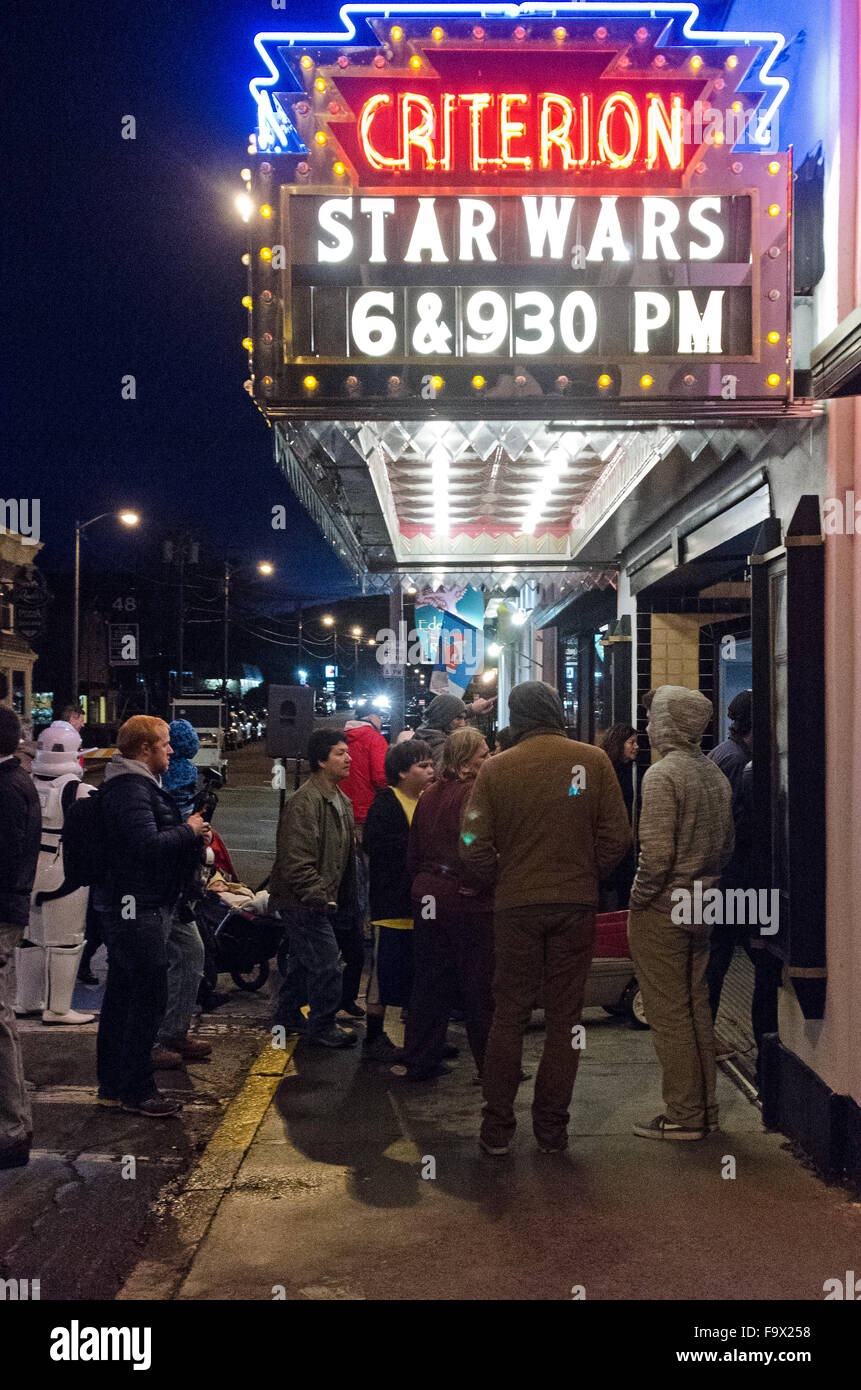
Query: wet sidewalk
357, 1185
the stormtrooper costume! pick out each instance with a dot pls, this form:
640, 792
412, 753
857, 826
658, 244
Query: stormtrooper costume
46, 966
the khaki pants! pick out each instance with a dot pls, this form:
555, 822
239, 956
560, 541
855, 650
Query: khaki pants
671, 963
548, 945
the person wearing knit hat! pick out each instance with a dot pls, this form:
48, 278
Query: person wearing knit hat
46, 964
686, 837
444, 714
546, 822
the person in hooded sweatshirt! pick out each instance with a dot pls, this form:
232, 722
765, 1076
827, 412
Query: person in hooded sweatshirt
151, 854
181, 776
185, 950
686, 838
546, 822
444, 714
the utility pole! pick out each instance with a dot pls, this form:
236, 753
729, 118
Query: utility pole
226, 631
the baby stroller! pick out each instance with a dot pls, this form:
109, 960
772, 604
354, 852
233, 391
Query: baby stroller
238, 943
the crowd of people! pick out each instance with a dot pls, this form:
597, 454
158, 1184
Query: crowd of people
472, 876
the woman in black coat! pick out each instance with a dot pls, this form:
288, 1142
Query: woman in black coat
621, 746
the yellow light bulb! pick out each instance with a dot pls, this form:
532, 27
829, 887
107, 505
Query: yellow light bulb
339, 169
774, 210
646, 381
320, 137
310, 383
247, 301
397, 33
245, 175
774, 167
732, 61
604, 381
478, 382
307, 62
437, 383
248, 344
266, 253
718, 137
265, 210
320, 84
773, 379
560, 34
773, 337
696, 62
737, 106
415, 61
437, 33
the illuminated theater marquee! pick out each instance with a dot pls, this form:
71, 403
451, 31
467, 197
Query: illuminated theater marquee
608, 238
491, 197
513, 130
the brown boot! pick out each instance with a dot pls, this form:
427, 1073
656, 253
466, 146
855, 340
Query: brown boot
166, 1058
189, 1049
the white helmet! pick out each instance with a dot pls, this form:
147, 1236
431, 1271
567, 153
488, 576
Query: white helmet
56, 752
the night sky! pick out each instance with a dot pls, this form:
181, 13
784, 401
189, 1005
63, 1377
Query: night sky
125, 258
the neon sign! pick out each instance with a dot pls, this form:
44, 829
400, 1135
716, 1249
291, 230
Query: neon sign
496, 201
275, 130
551, 131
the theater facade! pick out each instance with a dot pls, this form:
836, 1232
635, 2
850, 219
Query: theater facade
557, 301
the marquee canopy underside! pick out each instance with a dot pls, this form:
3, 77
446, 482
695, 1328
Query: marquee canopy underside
411, 501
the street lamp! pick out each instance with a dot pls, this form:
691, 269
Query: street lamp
328, 621
356, 634
128, 518
263, 567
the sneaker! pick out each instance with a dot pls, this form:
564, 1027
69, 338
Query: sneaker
165, 1058
154, 1107
497, 1150
353, 1010
334, 1036
16, 1156
662, 1128
189, 1049
549, 1148
382, 1049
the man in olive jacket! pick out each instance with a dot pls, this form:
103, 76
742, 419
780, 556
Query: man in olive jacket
546, 823
313, 887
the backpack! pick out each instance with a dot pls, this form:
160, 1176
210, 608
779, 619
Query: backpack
84, 859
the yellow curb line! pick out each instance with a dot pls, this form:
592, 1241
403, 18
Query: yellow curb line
214, 1172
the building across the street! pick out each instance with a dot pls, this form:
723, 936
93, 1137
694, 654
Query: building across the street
22, 605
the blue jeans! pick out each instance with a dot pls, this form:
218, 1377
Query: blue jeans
184, 972
134, 1003
313, 970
